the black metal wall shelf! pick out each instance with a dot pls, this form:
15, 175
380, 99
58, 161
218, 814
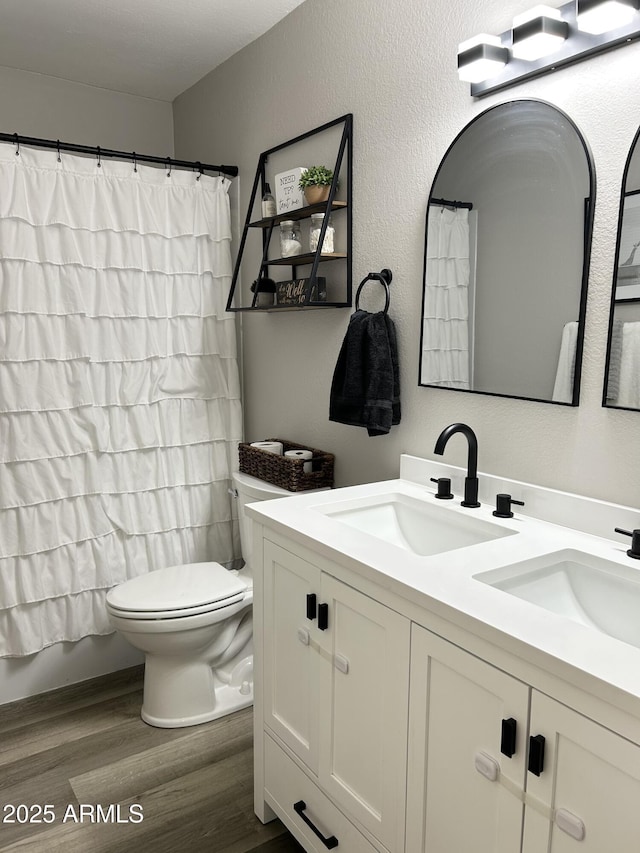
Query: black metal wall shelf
300, 213
301, 260
274, 309
311, 259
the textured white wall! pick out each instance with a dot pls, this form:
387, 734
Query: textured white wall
37, 105
394, 68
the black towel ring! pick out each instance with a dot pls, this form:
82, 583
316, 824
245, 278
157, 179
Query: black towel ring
384, 277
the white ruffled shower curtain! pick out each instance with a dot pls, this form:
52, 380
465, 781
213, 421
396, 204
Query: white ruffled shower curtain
119, 389
445, 329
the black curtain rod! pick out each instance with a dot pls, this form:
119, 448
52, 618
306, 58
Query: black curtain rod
443, 202
55, 144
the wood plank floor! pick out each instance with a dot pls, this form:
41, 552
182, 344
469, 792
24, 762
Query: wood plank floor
86, 745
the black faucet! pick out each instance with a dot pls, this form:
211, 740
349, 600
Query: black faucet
471, 480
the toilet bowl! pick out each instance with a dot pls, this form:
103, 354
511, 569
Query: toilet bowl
194, 624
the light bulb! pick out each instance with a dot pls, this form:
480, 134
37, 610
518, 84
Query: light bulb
481, 57
538, 32
600, 16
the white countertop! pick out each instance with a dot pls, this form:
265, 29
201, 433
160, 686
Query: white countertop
444, 583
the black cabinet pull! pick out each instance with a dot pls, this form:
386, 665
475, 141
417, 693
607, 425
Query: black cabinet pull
508, 737
323, 616
329, 842
536, 754
312, 603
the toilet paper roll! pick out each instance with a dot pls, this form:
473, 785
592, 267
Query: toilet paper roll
270, 446
302, 454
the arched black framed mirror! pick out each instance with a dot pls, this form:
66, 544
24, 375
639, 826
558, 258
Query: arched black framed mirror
622, 372
507, 245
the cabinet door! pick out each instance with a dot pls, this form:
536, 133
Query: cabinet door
290, 659
457, 706
589, 786
364, 710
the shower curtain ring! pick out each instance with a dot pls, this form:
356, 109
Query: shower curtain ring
135, 162
17, 138
99, 158
169, 166
58, 150
199, 165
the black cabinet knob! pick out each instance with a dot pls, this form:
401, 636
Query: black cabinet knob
508, 737
312, 605
323, 616
536, 754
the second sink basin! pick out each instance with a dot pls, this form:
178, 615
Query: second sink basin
586, 589
413, 524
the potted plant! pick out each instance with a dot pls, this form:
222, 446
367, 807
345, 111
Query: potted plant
266, 290
316, 183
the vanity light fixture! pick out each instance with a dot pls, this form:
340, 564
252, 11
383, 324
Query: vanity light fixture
602, 16
538, 32
545, 39
480, 58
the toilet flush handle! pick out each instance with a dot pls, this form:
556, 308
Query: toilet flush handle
233, 492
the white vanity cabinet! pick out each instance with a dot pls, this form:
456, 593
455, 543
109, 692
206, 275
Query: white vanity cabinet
403, 698
335, 696
291, 657
458, 703
465, 793
589, 790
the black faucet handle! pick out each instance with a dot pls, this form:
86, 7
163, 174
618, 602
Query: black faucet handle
634, 551
444, 492
503, 506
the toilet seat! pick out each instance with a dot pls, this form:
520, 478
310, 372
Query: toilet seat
177, 591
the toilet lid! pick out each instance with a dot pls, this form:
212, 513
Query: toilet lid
194, 587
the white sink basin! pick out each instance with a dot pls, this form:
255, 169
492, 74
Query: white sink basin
413, 524
580, 587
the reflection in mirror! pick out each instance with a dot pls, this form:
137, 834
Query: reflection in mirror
506, 257
622, 376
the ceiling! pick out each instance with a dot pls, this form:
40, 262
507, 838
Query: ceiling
152, 48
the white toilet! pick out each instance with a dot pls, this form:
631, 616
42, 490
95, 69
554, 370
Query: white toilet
194, 624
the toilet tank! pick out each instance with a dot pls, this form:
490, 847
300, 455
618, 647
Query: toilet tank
250, 489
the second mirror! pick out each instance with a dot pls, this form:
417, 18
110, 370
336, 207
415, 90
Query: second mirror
622, 378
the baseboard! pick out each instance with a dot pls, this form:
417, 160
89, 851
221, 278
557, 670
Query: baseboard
63, 699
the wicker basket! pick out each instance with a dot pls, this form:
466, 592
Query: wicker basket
285, 471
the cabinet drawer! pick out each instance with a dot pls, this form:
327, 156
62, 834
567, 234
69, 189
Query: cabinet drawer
286, 785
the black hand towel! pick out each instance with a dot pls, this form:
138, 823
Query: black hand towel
366, 386
393, 346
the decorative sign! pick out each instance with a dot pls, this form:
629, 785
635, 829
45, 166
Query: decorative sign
289, 196
294, 292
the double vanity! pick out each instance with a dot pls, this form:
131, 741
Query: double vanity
431, 677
